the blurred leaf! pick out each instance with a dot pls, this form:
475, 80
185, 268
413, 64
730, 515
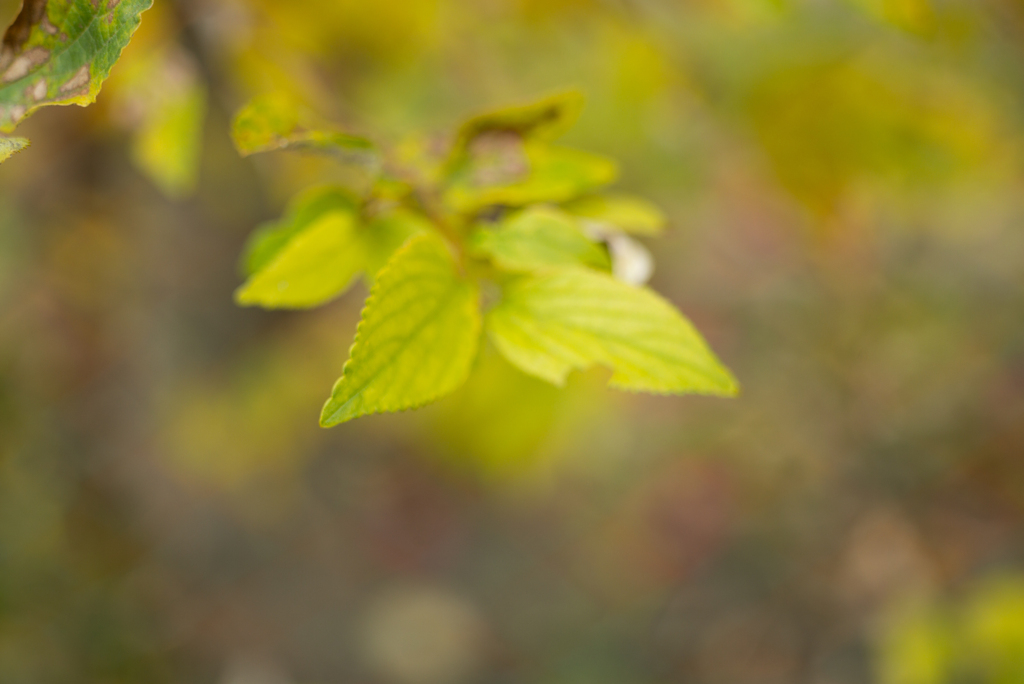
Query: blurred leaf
9, 146
626, 212
277, 122
545, 119
917, 650
550, 174
548, 325
994, 627
538, 238
308, 206
315, 258
914, 16
982, 640
417, 339
60, 52
826, 127
168, 141
383, 32
315, 266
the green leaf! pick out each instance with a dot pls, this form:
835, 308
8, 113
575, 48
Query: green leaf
60, 52
304, 209
312, 255
417, 339
538, 238
277, 122
315, 266
550, 324
625, 212
545, 119
550, 174
9, 146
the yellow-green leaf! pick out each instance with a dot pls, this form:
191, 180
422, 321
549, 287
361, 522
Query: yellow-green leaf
9, 146
305, 208
917, 648
305, 260
550, 174
544, 119
277, 122
60, 52
538, 238
550, 324
993, 627
315, 266
625, 212
418, 336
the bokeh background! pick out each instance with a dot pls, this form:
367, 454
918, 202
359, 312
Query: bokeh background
845, 183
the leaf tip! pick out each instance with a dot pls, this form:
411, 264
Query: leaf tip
725, 383
243, 296
733, 389
9, 146
329, 416
337, 410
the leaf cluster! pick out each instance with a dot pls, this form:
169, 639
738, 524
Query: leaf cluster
502, 233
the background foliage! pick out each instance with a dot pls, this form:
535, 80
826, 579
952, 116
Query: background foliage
842, 180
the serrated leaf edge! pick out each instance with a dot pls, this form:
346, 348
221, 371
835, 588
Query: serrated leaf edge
732, 386
373, 297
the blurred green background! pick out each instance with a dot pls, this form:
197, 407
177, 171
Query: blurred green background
845, 182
